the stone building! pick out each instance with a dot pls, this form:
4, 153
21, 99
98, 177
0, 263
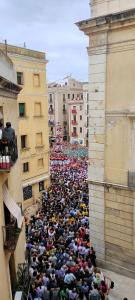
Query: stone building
63, 98
12, 236
111, 52
30, 69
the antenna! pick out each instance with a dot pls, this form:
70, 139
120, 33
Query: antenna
6, 46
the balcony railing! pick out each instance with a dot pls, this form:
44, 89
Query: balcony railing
65, 123
74, 134
74, 111
74, 122
10, 236
65, 132
51, 111
51, 133
51, 123
8, 154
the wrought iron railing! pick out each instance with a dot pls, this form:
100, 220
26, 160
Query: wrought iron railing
23, 280
8, 154
10, 236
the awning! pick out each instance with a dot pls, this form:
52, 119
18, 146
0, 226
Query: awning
12, 206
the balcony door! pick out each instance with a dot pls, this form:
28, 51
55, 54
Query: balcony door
12, 273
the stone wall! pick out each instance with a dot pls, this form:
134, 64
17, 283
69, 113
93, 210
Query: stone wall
119, 228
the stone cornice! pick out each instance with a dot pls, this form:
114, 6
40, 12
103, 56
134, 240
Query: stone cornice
111, 185
111, 21
121, 114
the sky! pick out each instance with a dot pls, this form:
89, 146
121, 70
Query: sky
49, 26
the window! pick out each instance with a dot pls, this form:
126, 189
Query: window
80, 118
23, 141
22, 109
87, 121
27, 192
64, 108
80, 107
36, 80
20, 79
50, 98
41, 186
37, 109
64, 98
26, 167
74, 117
73, 96
74, 129
80, 129
39, 139
68, 96
40, 163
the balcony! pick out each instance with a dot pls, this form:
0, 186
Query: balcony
8, 154
10, 236
74, 134
65, 132
74, 122
51, 133
74, 112
65, 123
64, 111
51, 111
22, 286
51, 123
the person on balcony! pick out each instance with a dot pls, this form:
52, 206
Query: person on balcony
8, 133
9, 140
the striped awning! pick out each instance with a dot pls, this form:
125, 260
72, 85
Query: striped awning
12, 206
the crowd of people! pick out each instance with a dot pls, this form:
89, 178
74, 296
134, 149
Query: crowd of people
62, 259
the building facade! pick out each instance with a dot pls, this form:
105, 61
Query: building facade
86, 112
62, 100
12, 231
76, 121
112, 132
30, 69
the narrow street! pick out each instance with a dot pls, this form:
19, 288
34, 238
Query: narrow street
62, 259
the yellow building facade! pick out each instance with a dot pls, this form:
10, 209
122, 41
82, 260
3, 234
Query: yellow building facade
30, 68
111, 53
12, 236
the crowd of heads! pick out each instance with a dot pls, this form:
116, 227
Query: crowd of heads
61, 257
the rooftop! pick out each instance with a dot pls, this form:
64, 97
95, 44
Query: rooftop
22, 51
107, 19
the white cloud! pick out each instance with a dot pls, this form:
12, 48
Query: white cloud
48, 25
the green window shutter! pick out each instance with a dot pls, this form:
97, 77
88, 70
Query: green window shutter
21, 109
